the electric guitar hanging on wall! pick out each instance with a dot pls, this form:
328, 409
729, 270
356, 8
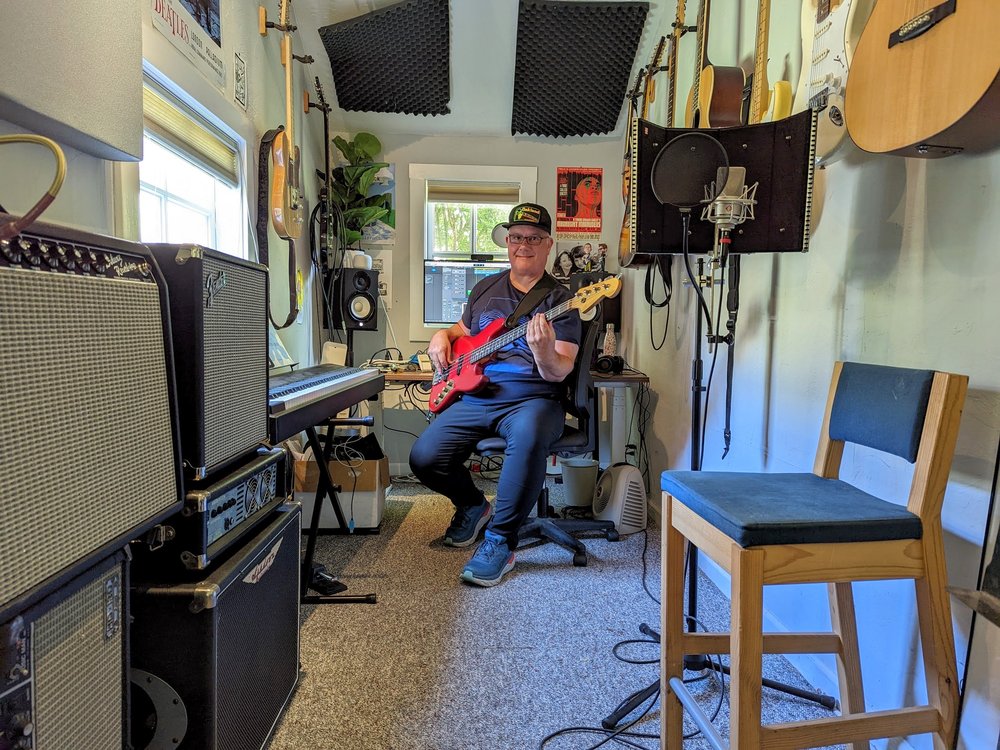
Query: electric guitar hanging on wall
626, 240
471, 353
287, 204
759, 96
830, 32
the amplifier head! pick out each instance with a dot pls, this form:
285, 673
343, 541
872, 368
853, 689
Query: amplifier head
64, 665
90, 449
218, 312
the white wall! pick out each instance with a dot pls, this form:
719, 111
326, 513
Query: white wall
900, 271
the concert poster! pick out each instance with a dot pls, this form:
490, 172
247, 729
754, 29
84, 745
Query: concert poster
578, 202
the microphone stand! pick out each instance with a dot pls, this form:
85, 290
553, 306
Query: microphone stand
701, 662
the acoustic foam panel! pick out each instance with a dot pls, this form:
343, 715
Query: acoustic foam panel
394, 59
573, 65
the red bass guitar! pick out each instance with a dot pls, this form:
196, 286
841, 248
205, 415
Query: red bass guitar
471, 353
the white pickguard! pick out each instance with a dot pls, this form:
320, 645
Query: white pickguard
827, 49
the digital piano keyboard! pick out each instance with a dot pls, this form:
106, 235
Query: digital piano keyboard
305, 398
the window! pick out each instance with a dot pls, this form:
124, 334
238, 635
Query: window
452, 235
189, 183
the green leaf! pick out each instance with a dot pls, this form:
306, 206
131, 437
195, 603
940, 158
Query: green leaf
367, 178
367, 145
347, 149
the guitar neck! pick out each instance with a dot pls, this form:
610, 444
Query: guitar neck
654, 64
760, 63
286, 60
675, 39
702, 44
488, 350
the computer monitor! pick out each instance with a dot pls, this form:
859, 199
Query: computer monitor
447, 285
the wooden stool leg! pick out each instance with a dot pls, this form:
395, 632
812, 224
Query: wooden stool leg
671, 627
747, 605
844, 623
936, 639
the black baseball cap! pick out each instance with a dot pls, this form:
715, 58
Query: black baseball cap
529, 215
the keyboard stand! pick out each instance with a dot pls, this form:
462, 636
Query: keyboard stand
313, 576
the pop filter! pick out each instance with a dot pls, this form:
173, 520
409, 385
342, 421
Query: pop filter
686, 168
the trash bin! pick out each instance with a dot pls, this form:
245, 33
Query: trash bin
580, 480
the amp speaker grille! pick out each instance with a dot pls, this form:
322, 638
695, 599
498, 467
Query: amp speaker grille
235, 411
79, 669
87, 444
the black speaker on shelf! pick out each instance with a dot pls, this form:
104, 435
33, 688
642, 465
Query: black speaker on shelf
87, 381
64, 665
218, 314
357, 301
215, 661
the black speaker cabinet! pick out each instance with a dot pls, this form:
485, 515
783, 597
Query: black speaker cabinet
215, 662
89, 450
63, 666
218, 311
358, 300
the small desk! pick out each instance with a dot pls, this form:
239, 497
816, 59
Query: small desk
616, 383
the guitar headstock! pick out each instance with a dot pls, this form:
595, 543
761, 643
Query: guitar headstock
319, 92
586, 297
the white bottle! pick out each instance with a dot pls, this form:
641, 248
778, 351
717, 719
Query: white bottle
610, 343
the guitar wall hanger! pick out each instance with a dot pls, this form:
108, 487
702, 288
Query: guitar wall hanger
307, 59
263, 24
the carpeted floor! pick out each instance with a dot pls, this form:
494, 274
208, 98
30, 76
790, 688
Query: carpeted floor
440, 665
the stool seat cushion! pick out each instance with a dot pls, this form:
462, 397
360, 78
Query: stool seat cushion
570, 439
763, 509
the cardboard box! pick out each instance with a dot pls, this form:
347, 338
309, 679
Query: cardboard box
361, 470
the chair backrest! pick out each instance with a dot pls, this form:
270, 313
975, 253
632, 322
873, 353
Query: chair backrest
580, 382
913, 414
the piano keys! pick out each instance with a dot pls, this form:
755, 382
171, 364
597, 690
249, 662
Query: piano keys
305, 398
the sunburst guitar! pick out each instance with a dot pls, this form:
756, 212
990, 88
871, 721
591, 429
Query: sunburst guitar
470, 354
830, 32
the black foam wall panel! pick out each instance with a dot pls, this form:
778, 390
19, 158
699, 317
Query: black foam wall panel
573, 65
394, 59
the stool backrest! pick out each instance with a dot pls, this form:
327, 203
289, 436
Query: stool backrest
913, 414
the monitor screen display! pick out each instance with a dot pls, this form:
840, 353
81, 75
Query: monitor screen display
447, 285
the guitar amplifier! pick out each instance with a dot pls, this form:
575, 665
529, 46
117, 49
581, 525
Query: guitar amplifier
63, 666
218, 515
216, 661
90, 450
218, 313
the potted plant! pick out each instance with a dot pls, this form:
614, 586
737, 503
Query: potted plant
351, 183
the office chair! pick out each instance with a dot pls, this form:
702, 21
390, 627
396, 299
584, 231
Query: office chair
581, 403
809, 528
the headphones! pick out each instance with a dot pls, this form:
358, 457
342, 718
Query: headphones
609, 364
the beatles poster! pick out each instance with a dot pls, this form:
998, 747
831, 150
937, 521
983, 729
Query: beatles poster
578, 202
193, 27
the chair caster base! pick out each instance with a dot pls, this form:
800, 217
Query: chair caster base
612, 535
580, 559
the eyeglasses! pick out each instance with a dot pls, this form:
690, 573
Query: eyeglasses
521, 239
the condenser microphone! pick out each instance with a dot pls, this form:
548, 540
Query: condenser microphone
733, 204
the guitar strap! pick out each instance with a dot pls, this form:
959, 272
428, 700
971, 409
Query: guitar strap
530, 300
261, 228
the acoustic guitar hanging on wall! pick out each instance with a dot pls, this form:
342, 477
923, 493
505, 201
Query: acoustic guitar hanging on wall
925, 79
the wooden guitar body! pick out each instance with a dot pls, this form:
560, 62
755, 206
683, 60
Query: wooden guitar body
925, 79
720, 97
830, 32
467, 377
287, 214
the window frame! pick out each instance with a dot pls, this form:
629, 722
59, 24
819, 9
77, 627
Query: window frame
419, 176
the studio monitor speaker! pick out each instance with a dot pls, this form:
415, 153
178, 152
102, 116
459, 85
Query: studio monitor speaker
90, 451
358, 299
215, 661
218, 313
63, 665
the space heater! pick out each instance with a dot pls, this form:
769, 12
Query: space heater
620, 497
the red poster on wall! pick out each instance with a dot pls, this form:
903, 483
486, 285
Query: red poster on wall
578, 202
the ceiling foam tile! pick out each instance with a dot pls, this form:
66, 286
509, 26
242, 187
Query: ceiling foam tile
573, 65
394, 59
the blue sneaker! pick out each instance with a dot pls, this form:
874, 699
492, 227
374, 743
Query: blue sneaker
492, 560
467, 523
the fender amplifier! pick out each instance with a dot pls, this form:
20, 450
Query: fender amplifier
216, 661
63, 666
90, 450
218, 515
218, 313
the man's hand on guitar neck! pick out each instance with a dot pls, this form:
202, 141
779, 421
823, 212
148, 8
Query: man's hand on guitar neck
554, 359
